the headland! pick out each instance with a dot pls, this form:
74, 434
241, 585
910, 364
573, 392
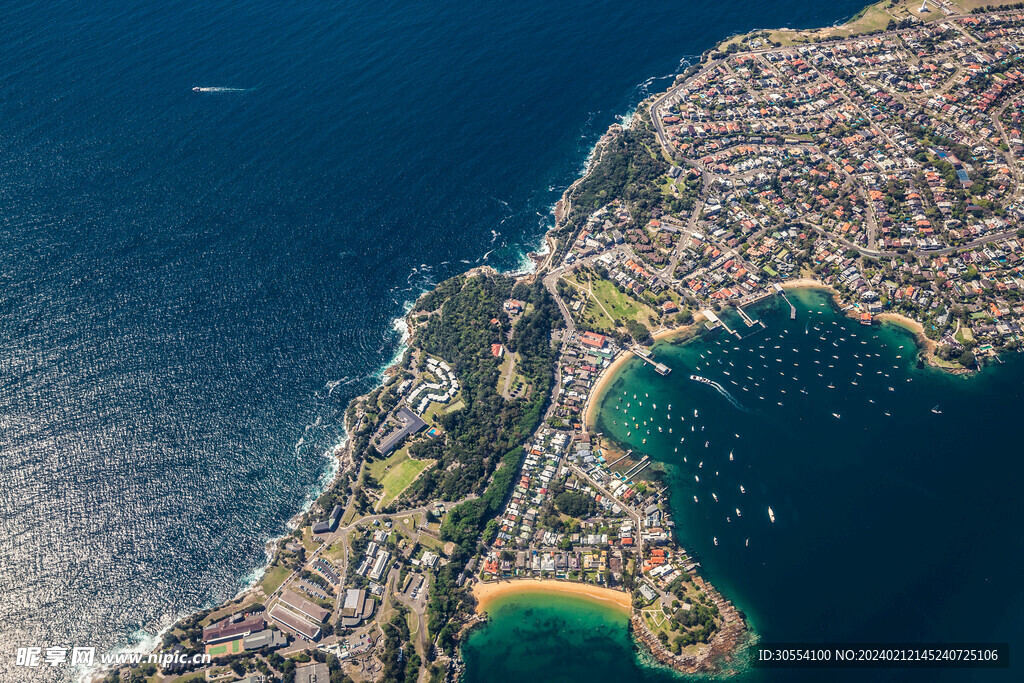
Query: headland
838, 158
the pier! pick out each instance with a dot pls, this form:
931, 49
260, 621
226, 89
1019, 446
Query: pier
792, 308
750, 322
645, 355
715, 321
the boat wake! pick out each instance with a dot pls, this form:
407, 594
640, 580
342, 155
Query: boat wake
218, 89
720, 389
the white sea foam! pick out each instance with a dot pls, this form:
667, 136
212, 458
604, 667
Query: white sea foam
219, 89
138, 641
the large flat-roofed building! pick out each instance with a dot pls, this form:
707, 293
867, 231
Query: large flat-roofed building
326, 526
312, 673
234, 626
294, 622
271, 638
356, 608
379, 565
299, 604
411, 422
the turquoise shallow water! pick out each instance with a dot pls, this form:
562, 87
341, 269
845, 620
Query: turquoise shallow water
898, 527
550, 637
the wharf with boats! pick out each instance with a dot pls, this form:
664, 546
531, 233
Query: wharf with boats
645, 355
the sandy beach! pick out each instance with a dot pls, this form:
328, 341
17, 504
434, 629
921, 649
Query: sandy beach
929, 345
807, 282
589, 414
488, 592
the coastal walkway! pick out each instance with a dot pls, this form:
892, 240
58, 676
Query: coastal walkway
618, 460
639, 467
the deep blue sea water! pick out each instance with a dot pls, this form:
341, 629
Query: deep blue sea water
193, 285
894, 485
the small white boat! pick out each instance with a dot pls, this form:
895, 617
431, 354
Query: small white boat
771, 514
715, 497
835, 415
716, 540
737, 512
742, 490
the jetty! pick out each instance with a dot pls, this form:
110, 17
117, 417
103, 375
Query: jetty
750, 322
716, 321
792, 308
645, 355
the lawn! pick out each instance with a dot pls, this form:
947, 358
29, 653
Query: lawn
507, 366
379, 468
457, 404
438, 408
872, 18
192, 678
963, 335
621, 305
273, 579
414, 623
335, 552
409, 523
431, 542
400, 476
307, 540
968, 5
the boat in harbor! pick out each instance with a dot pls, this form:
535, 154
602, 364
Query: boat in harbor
835, 415
738, 512
715, 496
771, 514
742, 490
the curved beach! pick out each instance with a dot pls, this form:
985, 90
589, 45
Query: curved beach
589, 413
487, 592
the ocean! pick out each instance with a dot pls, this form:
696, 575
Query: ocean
195, 284
893, 484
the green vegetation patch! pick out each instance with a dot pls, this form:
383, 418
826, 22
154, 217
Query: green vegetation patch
273, 579
400, 476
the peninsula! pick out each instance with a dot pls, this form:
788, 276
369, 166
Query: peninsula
880, 159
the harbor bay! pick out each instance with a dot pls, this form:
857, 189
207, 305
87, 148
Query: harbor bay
892, 483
